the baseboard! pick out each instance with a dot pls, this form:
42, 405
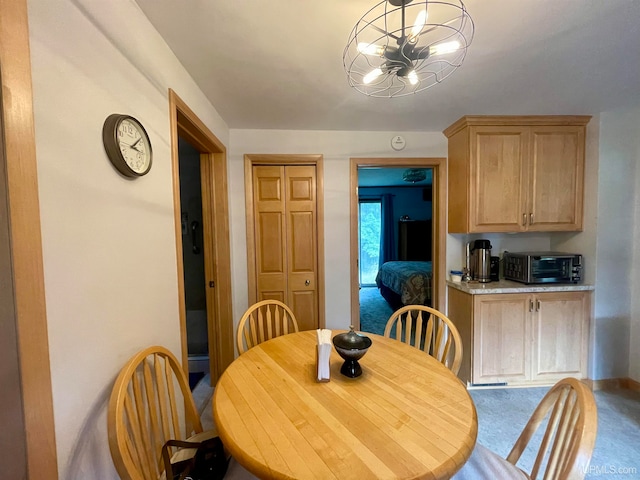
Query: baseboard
613, 384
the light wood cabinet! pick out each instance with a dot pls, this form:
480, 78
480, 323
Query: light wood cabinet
501, 332
516, 174
522, 338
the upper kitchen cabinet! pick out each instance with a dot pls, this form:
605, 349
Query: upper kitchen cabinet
516, 174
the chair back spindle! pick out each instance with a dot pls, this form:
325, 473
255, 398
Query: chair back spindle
569, 437
263, 321
150, 403
429, 330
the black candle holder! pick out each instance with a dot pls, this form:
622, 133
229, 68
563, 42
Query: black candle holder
351, 346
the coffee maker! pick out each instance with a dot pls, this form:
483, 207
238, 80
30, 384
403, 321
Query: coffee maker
479, 260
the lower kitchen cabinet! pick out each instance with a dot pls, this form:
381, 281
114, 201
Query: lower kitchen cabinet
522, 338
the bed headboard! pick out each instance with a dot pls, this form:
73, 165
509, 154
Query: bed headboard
415, 240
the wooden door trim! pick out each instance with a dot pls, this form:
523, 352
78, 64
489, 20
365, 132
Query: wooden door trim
26, 240
213, 159
439, 166
250, 160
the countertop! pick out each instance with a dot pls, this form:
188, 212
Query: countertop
507, 286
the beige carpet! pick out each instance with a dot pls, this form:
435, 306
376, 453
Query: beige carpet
202, 395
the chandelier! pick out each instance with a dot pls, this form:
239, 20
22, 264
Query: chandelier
400, 47
413, 175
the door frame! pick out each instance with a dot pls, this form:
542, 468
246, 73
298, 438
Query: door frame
26, 241
217, 248
439, 216
284, 159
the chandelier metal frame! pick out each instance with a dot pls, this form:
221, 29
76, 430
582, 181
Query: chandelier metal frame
401, 47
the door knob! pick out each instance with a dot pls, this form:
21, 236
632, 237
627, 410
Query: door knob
307, 283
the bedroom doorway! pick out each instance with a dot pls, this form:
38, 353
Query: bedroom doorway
379, 232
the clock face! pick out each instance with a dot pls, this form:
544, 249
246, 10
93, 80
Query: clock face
127, 145
134, 145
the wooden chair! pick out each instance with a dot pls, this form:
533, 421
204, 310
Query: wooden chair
429, 330
262, 321
570, 434
569, 412
151, 403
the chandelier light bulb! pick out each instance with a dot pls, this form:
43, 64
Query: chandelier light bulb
418, 25
372, 75
444, 48
371, 49
401, 47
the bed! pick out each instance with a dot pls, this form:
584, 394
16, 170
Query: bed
405, 283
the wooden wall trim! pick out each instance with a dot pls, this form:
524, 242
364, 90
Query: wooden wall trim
285, 159
439, 166
213, 152
509, 120
613, 384
26, 241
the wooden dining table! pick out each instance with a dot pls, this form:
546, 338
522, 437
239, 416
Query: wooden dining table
406, 417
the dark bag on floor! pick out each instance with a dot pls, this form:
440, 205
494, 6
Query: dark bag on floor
208, 463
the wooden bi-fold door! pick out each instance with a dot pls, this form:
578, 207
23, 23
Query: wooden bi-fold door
286, 238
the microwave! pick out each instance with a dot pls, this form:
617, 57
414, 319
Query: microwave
542, 267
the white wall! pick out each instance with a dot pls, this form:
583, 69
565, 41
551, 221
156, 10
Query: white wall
617, 308
619, 146
108, 242
337, 147
634, 337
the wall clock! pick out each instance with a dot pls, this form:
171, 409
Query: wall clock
127, 145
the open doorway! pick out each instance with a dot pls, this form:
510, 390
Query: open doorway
208, 234
395, 238
195, 290
395, 217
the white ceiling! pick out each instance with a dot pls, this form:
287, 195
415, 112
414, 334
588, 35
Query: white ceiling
277, 64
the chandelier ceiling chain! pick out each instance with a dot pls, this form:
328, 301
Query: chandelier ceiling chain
401, 47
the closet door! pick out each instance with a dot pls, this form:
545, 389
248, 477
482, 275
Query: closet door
302, 255
285, 213
270, 233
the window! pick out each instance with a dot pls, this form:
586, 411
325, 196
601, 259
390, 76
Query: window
369, 230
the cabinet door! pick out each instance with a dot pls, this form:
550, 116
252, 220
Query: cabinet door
498, 178
560, 335
557, 176
502, 343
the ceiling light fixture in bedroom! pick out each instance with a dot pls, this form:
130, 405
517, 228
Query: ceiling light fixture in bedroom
413, 175
400, 47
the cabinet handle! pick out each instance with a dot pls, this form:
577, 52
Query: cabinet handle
537, 305
307, 283
531, 305
531, 219
524, 219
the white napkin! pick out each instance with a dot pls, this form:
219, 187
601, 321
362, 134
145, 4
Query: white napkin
324, 352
